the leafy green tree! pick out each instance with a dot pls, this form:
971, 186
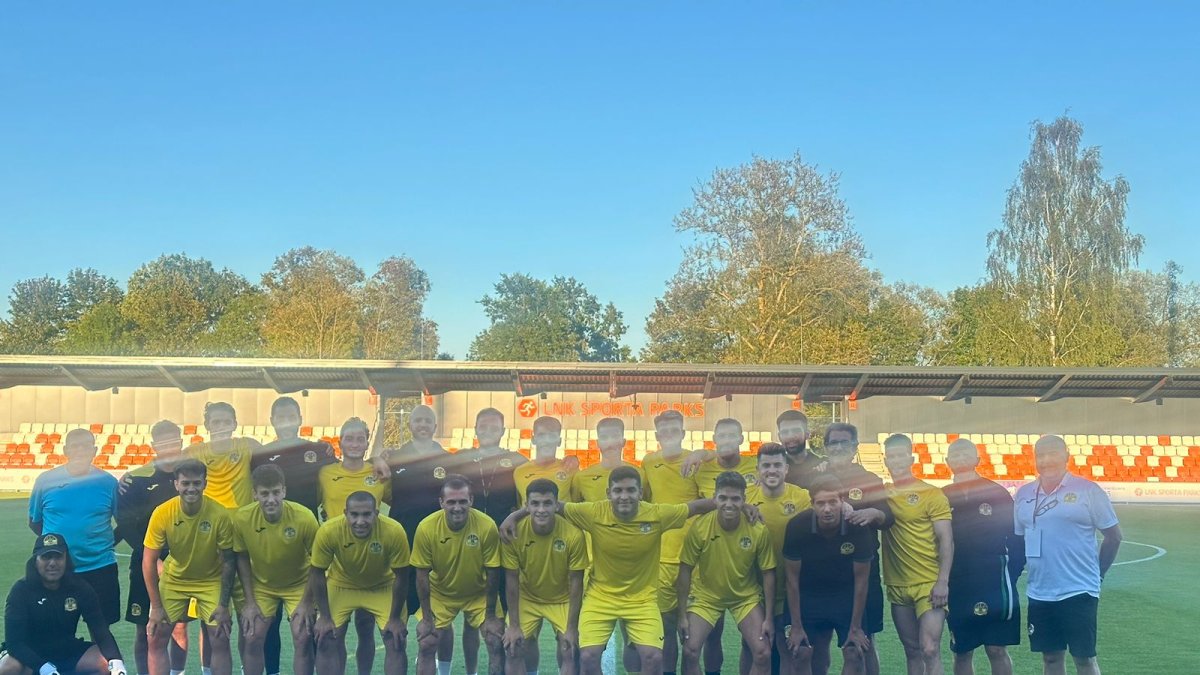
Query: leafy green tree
102, 330
37, 317
176, 301
559, 320
393, 302
312, 307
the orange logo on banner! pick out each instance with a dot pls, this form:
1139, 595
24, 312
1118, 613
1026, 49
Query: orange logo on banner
527, 407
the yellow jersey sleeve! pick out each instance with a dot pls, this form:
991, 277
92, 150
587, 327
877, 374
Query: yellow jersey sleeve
324, 546
422, 546
690, 553
395, 540
767, 560
156, 530
489, 545
577, 554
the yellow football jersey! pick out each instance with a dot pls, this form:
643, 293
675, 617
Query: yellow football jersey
669, 486
727, 564
361, 564
457, 560
626, 552
776, 512
591, 484
545, 561
194, 543
909, 547
555, 471
279, 552
337, 483
228, 472
706, 475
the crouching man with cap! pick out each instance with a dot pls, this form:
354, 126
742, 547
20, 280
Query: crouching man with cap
43, 612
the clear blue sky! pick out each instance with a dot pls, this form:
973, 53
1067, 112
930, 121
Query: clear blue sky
557, 138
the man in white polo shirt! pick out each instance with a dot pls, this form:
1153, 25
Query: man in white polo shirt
1058, 514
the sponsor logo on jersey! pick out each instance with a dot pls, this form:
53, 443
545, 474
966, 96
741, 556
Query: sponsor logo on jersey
310, 456
472, 540
855, 494
847, 548
985, 509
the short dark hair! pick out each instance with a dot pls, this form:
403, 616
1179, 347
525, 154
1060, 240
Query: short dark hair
164, 427
284, 401
841, 426
217, 406
546, 422
770, 449
727, 420
624, 473
826, 482
489, 411
360, 496
731, 479
267, 475
456, 481
355, 422
896, 439
791, 415
191, 467
668, 416
610, 422
542, 486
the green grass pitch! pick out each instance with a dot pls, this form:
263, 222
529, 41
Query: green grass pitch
1149, 612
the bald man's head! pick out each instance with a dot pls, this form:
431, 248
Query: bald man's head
422, 422
962, 456
1051, 455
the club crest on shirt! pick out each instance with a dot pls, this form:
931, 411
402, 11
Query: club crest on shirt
205, 526
561, 475
289, 533
751, 478
439, 473
855, 494
472, 540
789, 508
985, 509
310, 456
981, 609
370, 480
375, 547
559, 545
847, 548
645, 528
1070, 498
135, 609
744, 542
913, 498
69, 604
234, 457
506, 463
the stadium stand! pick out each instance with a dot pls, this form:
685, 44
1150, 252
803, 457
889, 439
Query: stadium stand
1101, 457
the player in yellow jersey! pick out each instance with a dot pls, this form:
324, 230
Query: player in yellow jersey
591, 484
728, 437
227, 458
353, 473
359, 561
734, 563
623, 586
201, 565
547, 436
456, 554
918, 551
544, 565
667, 485
778, 502
273, 539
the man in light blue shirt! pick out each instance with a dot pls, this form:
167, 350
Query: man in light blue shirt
1059, 514
79, 501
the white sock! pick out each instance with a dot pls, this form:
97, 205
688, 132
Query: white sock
176, 672
444, 667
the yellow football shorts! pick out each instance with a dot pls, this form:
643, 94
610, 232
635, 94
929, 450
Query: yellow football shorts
711, 610
377, 601
668, 598
532, 614
177, 600
445, 609
915, 596
600, 613
268, 599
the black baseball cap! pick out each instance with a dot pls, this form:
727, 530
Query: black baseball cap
50, 543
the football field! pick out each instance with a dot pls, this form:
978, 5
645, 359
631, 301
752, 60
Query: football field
1149, 612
